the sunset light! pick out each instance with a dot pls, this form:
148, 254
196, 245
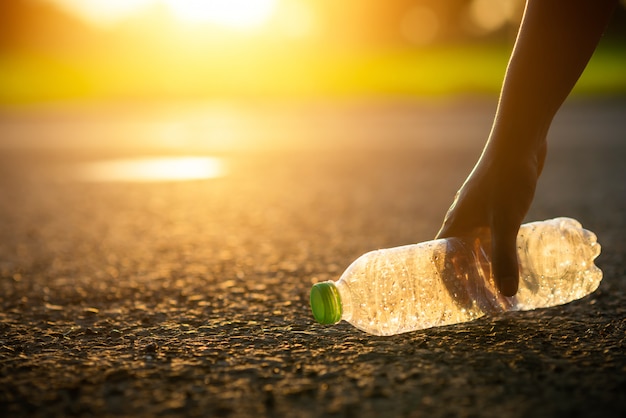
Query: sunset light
239, 14
103, 12
178, 50
236, 14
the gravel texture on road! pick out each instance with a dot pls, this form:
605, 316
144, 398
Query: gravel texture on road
191, 298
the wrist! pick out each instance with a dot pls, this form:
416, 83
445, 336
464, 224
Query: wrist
517, 142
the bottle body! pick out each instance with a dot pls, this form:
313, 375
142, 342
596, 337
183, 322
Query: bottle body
448, 281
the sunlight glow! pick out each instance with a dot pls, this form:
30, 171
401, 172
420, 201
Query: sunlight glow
153, 169
297, 19
238, 14
103, 13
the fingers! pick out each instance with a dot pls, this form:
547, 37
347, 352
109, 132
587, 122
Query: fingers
491, 208
504, 256
510, 200
464, 215
449, 228
503, 246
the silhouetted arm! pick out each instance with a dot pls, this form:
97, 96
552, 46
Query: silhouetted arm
555, 41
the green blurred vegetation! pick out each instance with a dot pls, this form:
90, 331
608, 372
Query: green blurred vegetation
466, 70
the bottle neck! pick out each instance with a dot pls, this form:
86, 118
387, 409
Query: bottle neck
346, 300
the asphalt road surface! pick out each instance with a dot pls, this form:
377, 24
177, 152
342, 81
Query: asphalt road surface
190, 298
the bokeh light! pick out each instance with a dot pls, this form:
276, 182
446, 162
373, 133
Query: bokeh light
490, 15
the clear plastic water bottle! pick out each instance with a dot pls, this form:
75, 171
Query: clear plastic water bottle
449, 281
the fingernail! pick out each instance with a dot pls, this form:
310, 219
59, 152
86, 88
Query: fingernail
508, 286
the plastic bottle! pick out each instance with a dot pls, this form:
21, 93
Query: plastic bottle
448, 281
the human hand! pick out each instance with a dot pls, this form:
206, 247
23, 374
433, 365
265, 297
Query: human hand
492, 203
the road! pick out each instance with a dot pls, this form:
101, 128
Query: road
190, 298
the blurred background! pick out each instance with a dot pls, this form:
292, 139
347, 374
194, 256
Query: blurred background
147, 50
185, 75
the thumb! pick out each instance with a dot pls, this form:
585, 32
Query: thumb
504, 257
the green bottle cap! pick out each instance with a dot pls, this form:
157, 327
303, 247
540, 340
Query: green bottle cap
326, 303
